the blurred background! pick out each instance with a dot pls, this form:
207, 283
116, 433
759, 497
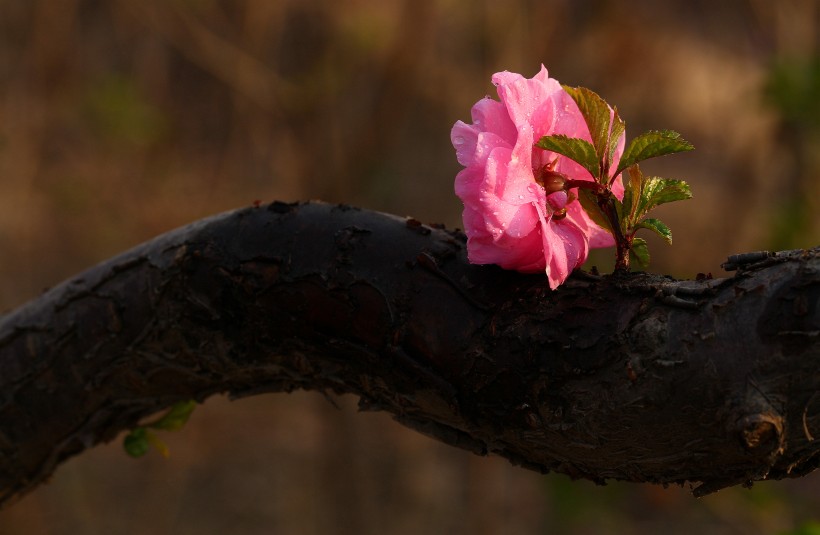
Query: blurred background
120, 120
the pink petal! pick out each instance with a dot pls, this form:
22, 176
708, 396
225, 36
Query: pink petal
508, 178
487, 142
491, 116
570, 250
469, 184
565, 248
472, 145
520, 184
522, 254
568, 120
522, 221
464, 138
506, 78
528, 102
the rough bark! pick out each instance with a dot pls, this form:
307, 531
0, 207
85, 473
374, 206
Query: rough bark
638, 377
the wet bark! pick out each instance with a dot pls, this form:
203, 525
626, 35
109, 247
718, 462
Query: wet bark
634, 377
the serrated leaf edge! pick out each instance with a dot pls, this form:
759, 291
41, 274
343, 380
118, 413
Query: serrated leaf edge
658, 227
628, 159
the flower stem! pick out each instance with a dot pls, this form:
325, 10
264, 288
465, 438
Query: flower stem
622, 243
606, 202
599, 189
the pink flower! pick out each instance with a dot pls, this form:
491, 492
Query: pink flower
509, 218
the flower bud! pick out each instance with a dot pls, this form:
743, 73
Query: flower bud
551, 181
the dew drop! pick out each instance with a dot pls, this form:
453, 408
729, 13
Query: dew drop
458, 141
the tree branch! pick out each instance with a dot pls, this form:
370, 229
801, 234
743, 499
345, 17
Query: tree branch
635, 377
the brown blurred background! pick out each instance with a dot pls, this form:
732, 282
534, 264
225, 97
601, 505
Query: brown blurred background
120, 120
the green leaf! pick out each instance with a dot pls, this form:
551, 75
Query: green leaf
809, 528
158, 444
651, 144
639, 253
136, 442
618, 129
576, 149
632, 192
589, 202
176, 416
597, 116
658, 227
620, 213
139, 440
656, 191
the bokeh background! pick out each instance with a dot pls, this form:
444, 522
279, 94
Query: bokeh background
120, 120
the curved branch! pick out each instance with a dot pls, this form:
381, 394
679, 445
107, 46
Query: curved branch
636, 377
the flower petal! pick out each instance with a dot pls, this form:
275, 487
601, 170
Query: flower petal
570, 250
491, 116
565, 248
469, 185
464, 138
528, 102
486, 247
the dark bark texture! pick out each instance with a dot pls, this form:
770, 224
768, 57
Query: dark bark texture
634, 377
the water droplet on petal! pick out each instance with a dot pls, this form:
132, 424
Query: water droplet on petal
458, 141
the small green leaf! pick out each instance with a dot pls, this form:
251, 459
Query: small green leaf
658, 227
176, 416
136, 442
139, 440
656, 191
579, 150
639, 253
632, 192
158, 444
597, 116
589, 202
809, 528
618, 129
651, 144
620, 213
